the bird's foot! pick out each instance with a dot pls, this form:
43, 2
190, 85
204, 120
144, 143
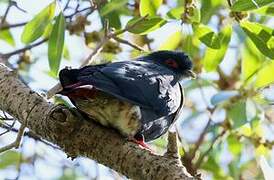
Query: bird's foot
141, 143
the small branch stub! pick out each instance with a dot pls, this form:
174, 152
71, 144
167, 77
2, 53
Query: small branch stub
172, 146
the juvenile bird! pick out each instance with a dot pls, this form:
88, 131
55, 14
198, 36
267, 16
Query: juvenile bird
140, 98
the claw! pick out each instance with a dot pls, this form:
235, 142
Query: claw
141, 143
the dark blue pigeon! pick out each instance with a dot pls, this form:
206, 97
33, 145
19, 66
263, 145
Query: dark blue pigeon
140, 98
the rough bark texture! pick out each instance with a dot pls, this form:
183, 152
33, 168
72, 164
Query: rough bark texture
78, 137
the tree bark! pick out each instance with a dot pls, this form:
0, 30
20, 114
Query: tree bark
79, 137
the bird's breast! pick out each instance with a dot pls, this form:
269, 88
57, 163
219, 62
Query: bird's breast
109, 111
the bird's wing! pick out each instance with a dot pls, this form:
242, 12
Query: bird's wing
139, 83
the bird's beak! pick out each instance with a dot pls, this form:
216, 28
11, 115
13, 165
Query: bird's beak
191, 74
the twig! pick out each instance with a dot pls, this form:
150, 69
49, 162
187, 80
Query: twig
8, 55
8, 128
200, 140
67, 5
229, 3
78, 11
172, 146
7, 26
135, 46
200, 160
30, 135
6, 13
17, 141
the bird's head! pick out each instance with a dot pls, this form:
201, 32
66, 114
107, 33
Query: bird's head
178, 62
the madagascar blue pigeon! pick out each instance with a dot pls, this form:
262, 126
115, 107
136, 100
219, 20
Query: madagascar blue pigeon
140, 98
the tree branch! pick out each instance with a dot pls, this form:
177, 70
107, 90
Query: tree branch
7, 55
78, 137
17, 141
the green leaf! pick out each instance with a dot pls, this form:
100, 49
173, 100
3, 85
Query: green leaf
252, 61
265, 75
149, 7
6, 36
266, 10
261, 150
191, 45
147, 25
9, 158
213, 166
196, 18
208, 37
208, 8
213, 57
112, 6
246, 5
172, 41
237, 113
36, 27
66, 53
234, 145
262, 36
56, 43
113, 19
48, 30
175, 13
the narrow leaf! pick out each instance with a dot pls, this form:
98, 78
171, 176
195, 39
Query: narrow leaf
252, 60
265, 75
266, 10
56, 43
36, 27
113, 19
213, 57
9, 158
66, 53
149, 7
175, 13
209, 8
112, 6
6, 36
237, 113
246, 5
208, 37
147, 25
172, 41
196, 15
262, 36
234, 145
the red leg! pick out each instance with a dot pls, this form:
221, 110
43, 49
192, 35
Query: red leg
141, 143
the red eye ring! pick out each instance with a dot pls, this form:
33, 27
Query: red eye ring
172, 63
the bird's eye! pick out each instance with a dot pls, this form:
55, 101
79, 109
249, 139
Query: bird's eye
171, 63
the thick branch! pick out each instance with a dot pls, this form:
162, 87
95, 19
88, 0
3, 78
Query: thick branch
78, 137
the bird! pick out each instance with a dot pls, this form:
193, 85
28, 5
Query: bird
140, 98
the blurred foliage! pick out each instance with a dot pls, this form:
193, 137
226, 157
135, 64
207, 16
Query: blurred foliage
210, 31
